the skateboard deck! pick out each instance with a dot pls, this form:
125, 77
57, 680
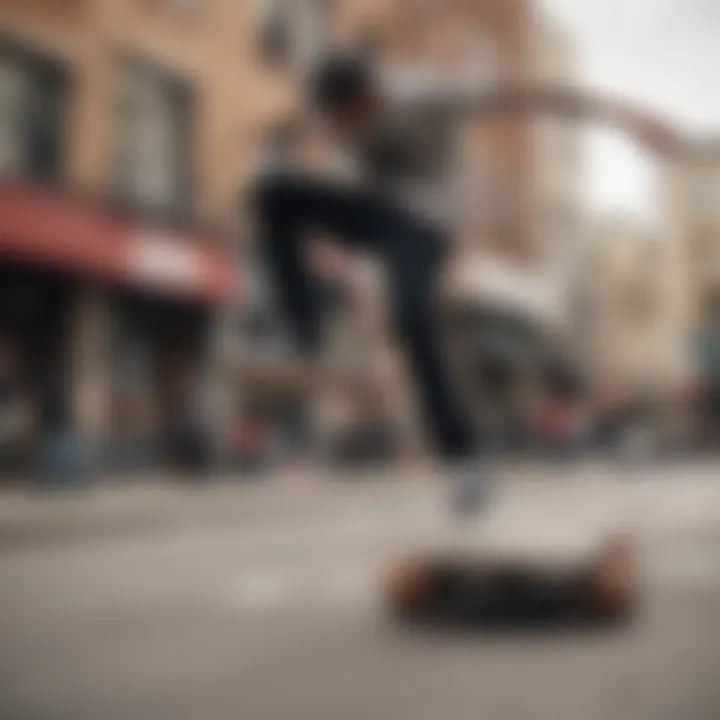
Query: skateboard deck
498, 589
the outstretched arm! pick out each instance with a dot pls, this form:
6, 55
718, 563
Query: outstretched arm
578, 104
457, 102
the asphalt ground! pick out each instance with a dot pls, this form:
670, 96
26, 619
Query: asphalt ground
267, 605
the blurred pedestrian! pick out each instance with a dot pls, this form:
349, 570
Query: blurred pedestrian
63, 459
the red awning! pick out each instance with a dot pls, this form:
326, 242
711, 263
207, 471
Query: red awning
49, 228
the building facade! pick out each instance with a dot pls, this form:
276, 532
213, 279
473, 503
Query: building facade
690, 195
635, 291
131, 128
696, 188
119, 132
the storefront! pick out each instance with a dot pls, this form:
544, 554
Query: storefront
105, 324
34, 316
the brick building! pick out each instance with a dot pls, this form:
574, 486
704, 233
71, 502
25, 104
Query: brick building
119, 134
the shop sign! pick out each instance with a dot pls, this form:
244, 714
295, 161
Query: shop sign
165, 261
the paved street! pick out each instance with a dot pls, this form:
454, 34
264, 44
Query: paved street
277, 615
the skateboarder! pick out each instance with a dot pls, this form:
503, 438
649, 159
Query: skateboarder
398, 203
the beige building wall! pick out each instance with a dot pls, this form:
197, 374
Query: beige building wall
693, 192
635, 331
688, 281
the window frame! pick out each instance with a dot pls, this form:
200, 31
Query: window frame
184, 94
44, 71
280, 21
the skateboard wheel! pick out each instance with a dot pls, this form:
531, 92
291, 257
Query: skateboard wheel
408, 587
614, 583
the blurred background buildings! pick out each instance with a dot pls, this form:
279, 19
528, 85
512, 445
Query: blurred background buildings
133, 306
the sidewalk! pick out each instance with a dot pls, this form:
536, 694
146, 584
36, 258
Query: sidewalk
145, 505
142, 505
119, 508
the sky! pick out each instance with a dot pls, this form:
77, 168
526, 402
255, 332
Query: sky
664, 53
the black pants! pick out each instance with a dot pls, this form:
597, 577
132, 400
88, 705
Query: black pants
290, 207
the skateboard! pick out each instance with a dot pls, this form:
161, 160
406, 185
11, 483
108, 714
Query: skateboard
498, 590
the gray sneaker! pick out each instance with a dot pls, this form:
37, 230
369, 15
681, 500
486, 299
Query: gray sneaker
470, 487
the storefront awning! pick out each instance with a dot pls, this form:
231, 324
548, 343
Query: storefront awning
52, 229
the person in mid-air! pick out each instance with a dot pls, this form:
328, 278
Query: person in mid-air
393, 204
397, 202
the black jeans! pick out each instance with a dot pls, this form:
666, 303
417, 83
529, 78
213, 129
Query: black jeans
288, 207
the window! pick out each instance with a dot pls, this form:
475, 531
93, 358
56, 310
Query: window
12, 102
274, 30
293, 32
33, 94
153, 145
